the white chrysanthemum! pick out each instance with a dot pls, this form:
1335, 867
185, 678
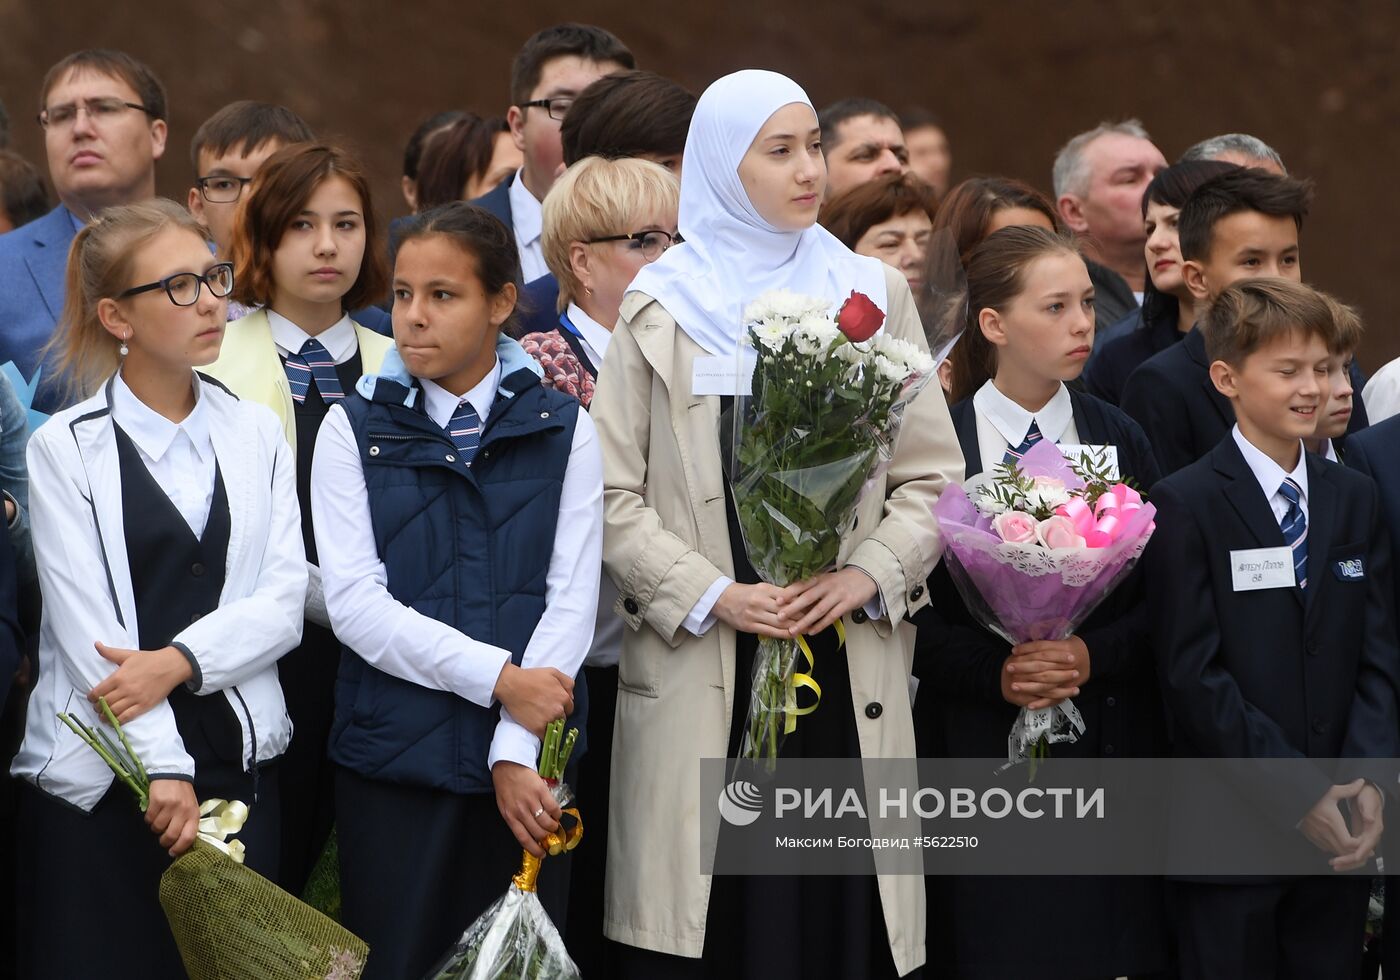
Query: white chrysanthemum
888, 370
914, 359
815, 333
851, 354
783, 304
771, 335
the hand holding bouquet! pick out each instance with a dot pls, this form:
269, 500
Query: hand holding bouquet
228, 920
827, 397
1033, 549
514, 938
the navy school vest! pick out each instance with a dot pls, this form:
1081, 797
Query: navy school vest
467, 546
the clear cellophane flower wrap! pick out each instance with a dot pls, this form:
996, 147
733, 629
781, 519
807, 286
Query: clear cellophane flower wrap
810, 434
228, 921
514, 938
1024, 590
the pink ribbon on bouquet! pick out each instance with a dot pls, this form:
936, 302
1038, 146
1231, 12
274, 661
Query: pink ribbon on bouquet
1102, 525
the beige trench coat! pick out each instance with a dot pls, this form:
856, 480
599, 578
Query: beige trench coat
666, 542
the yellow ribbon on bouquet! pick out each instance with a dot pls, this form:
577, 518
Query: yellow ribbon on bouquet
556, 843
221, 819
804, 678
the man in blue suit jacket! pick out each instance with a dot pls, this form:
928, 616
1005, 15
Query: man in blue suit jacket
104, 129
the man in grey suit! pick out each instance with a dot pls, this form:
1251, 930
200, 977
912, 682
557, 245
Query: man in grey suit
103, 114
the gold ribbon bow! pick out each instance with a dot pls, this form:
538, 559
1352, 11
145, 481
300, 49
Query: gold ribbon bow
220, 820
560, 841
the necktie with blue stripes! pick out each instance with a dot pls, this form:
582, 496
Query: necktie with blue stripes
1295, 530
1032, 437
465, 429
313, 362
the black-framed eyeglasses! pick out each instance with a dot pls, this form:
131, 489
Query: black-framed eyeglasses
557, 107
183, 287
222, 189
650, 243
98, 110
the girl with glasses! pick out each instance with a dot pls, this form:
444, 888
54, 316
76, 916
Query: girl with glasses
305, 252
173, 579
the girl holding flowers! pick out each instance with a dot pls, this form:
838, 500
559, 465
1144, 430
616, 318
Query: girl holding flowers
1030, 328
693, 606
165, 528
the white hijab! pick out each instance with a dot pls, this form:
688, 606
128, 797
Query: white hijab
731, 254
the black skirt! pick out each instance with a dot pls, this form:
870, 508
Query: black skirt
766, 927
89, 883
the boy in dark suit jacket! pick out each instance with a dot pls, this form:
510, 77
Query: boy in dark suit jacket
1301, 664
1241, 224
1376, 452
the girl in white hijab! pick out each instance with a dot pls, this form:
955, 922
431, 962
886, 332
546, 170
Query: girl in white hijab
752, 183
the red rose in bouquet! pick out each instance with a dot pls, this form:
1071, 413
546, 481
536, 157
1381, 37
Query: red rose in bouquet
859, 318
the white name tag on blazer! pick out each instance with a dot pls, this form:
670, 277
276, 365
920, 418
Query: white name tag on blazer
1098, 456
1262, 568
720, 375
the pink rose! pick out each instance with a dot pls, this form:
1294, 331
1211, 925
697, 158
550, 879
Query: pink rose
1058, 532
1015, 527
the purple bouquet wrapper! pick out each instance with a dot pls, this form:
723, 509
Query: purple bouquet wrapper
1025, 592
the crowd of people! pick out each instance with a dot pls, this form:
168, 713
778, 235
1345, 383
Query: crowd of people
337, 520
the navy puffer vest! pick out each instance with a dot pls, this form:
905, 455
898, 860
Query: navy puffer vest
468, 546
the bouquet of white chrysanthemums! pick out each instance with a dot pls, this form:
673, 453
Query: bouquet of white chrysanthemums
816, 427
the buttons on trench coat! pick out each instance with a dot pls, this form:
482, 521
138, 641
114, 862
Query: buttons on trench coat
630, 605
874, 710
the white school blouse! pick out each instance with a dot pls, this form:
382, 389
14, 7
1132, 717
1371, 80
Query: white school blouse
1002, 424
80, 549
400, 641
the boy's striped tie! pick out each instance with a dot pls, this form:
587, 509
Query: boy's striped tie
1032, 437
465, 429
1295, 530
313, 362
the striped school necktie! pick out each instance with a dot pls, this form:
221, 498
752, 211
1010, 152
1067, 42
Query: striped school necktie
465, 430
1295, 530
313, 362
1032, 437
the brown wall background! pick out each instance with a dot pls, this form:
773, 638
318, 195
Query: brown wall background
1011, 78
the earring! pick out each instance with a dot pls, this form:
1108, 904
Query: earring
122, 350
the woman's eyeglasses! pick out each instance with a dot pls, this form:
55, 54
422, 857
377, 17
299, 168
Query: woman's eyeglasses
183, 287
650, 243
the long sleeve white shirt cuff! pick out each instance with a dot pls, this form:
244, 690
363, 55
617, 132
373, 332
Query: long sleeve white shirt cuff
701, 616
512, 742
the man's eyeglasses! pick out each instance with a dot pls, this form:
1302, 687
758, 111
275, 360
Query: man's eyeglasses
650, 243
556, 107
98, 111
222, 190
183, 287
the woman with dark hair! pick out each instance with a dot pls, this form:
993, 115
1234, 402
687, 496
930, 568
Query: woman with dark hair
465, 160
981, 205
889, 219
1167, 310
973, 210
304, 254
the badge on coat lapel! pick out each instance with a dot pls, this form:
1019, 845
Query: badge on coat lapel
1349, 570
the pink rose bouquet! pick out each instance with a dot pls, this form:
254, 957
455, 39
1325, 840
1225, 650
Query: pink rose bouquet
1033, 549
